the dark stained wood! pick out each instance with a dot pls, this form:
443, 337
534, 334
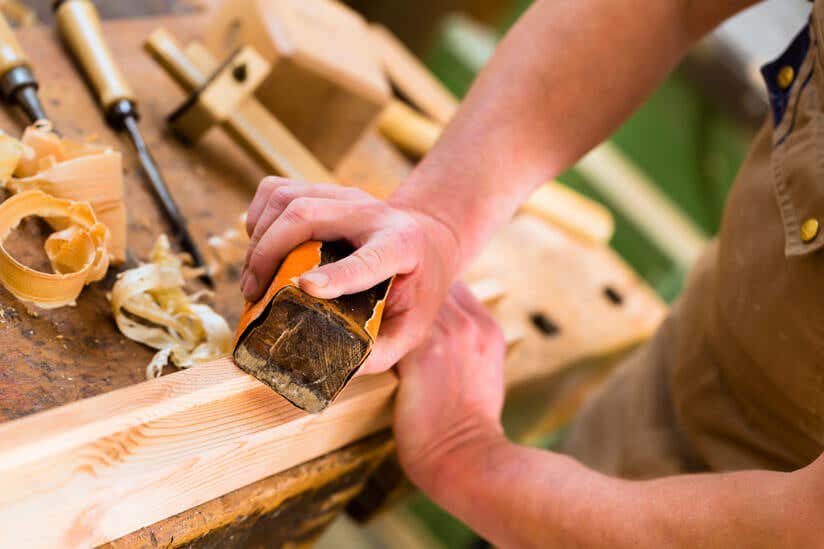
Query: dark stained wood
59, 356
305, 348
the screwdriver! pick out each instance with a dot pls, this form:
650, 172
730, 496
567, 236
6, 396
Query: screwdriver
79, 25
17, 83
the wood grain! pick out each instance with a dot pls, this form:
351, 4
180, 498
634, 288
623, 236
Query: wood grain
106, 466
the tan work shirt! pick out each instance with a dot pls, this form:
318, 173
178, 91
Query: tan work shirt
735, 377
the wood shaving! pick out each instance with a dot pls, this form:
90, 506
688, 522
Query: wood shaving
150, 306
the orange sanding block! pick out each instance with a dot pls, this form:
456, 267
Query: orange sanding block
303, 347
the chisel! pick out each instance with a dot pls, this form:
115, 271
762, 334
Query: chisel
17, 83
79, 25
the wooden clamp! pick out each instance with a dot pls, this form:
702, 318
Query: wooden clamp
249, 124
304, 348
221, 95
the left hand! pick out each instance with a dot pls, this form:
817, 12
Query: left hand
451, 390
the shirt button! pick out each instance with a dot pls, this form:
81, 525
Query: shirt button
809, 230
785, 77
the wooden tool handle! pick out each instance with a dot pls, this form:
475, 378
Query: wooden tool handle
79, 24
11, 52
413, 133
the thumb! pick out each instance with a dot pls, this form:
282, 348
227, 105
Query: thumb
366, 267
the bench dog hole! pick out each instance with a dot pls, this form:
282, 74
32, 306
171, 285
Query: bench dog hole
613, 295
544, 324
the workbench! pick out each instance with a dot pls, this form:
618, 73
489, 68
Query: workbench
53, 358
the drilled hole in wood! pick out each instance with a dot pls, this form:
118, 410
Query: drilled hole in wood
613, 295
544, 324
240, 72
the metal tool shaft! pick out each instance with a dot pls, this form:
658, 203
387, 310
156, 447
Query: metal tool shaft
161, 191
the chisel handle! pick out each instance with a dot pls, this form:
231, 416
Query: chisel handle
11, 52
79, 25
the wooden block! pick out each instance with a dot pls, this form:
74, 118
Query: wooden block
326, 84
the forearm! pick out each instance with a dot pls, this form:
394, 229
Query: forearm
521, 497
560, 82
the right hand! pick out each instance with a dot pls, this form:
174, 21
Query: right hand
390, 240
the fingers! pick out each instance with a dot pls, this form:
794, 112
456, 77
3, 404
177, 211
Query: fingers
304, 219
275, 193
377, 260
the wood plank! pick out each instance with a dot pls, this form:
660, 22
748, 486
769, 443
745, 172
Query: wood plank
100, 468
293, 507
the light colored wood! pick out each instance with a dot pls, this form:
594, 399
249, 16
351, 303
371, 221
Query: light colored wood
561, 206
11, 52
251, 125
102, 467
222, 95
412, 78
488, 291
325, 72
549, 271
79, 25
411, 132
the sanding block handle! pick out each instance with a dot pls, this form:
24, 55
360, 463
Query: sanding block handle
79, 25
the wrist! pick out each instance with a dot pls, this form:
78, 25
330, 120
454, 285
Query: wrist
439, 471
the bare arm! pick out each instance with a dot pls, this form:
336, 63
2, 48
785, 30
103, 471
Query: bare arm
451, 445
561, 81
521, 497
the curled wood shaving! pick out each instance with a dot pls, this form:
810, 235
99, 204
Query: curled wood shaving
78, 189
150, 306
78, 252
75, 171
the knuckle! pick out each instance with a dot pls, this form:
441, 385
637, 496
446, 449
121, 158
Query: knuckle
281, 197
268, 182
298, 211
258, 253
370, 259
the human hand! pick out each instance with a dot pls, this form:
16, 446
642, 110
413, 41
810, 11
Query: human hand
390, 240
451, 391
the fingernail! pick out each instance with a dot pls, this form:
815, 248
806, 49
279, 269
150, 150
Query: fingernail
250, 285
316, 279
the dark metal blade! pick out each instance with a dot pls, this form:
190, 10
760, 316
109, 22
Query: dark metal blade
161, 191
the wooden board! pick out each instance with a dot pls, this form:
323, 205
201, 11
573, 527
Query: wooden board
106, 466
